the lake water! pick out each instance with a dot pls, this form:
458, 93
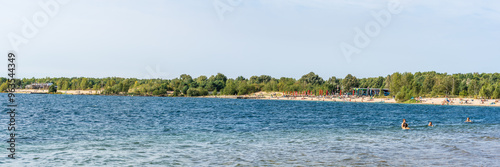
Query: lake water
73, 130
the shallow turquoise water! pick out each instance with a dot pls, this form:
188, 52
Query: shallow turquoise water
70, 130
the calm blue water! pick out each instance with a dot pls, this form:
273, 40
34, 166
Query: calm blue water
71, 130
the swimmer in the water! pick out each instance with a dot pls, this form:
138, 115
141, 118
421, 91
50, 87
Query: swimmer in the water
404, 125
468, 120
430, 124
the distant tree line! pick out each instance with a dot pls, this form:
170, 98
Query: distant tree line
403, 86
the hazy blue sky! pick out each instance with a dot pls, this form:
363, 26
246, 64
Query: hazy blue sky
125, 38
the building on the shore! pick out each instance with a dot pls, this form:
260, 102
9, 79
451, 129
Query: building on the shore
370, 91
38, 86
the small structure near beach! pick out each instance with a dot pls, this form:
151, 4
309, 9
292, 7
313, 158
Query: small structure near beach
370, 91
39, 86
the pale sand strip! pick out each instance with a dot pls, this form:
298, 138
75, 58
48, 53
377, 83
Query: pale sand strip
427, 101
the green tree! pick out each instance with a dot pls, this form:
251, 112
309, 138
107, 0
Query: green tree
264, 78
219, 84
473, 87
219, 80
4, 87
192, 92
230, 88
485, 92
52, 89
463, 93
350, 82
240, 78
403, 95
59, 83
311, 78
202, 81
243, 88
381, 93
186, 78
97, 87
214, 92
65, 85
84, 84
496, 93
203, 91
185, 89
395, 83
254, 80
176, 93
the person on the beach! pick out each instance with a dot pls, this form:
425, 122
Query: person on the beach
468, 120
404, 125
430, 124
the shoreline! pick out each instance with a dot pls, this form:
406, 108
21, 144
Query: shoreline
375, 100
439, 101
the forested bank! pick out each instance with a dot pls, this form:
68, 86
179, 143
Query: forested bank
402, 85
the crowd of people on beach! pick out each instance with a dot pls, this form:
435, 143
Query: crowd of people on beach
404, 125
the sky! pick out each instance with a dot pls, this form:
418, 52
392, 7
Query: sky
280, 38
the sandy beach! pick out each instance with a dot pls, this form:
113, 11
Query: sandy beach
426, 101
